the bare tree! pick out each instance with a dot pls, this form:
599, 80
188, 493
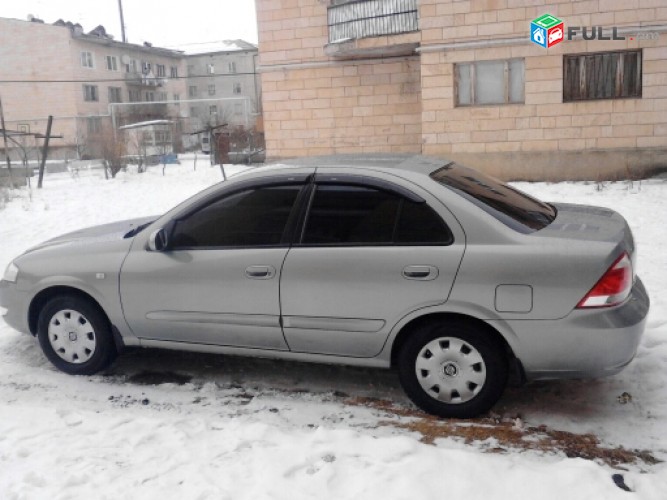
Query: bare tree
110, 148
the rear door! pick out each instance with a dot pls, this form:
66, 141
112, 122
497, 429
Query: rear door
370, 252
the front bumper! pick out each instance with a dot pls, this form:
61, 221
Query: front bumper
14, 306
588, 343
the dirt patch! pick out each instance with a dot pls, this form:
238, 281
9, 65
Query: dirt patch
157, 378
500, 434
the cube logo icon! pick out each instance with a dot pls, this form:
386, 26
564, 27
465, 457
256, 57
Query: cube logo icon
547, 31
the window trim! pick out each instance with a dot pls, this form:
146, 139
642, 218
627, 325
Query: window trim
371, 183
640, 74
506, 83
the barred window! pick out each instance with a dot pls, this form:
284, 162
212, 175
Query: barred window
602, 75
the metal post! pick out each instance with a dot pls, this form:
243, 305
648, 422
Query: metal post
45, 152
4, 136
122, 21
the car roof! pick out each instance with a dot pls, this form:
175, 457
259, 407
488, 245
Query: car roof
393, 161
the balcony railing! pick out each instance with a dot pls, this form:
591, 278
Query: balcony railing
141, 80
367, 18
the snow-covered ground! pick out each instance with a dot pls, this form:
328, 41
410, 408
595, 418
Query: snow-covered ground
172, 425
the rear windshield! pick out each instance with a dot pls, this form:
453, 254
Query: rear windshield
510, 206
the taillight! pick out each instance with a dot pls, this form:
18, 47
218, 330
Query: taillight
613, 288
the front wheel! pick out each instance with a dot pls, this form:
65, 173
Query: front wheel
453, 370
75, 335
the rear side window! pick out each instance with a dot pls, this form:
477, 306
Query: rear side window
255, 217
358, 215
512, 207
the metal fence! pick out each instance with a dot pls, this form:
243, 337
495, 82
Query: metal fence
366, 18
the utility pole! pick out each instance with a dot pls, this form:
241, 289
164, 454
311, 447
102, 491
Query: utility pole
4, 136
122, 21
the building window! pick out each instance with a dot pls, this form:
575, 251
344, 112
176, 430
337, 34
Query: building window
112, 63
150, 96
94, 126
213, 110
191, 69
604, 75
211, 89
145, 67
237, 88
192, 91
131, 67
232, 67
135, 96
489, 82
87, 60
161, 70
115, 94
177, 97
162, 96
173, 71
210, 69
90, 93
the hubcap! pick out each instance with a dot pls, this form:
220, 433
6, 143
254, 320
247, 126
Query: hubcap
450, 370
71, 336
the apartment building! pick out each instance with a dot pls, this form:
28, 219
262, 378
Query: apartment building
530, 89
87, 81
223, 83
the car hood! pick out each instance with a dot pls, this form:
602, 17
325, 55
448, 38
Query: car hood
106, 232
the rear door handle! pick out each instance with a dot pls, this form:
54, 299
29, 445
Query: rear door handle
423, 273
260, 272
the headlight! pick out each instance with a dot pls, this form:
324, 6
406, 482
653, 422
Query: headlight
11, 273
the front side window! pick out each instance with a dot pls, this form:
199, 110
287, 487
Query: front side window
512, 207
357, 215
211, 89
605, 75
237, 88
489, 82
173, 71
192, 91
250, 218
160, 70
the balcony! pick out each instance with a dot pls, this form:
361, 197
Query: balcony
141, 80
372, 27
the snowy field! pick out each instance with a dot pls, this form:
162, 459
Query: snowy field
169, 425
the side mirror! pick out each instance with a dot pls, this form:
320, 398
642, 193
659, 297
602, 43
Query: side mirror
157, 242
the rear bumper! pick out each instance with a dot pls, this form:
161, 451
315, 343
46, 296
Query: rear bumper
13, 306
586, 343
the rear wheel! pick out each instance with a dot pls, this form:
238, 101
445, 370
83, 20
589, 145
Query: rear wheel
453, 369
75, 335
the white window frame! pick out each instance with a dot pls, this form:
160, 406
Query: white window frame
112, 63
472, 65
91, 93
87, 59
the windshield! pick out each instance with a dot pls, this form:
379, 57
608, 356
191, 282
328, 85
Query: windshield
512, 207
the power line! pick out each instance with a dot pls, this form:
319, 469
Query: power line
111, 80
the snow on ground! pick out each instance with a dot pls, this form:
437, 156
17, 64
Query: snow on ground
168, 425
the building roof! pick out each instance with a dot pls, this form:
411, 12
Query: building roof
213, 47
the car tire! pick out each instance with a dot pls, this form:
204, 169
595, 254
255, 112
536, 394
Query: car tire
453, 369
75, 335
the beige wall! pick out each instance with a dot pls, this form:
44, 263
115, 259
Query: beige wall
543, 124
320, 104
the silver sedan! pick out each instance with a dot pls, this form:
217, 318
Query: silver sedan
453, 278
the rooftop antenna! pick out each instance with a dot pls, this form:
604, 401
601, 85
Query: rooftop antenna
122, 21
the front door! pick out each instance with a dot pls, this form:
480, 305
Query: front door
218, 281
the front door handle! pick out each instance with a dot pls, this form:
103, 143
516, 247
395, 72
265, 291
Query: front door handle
423, 273
260, 272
